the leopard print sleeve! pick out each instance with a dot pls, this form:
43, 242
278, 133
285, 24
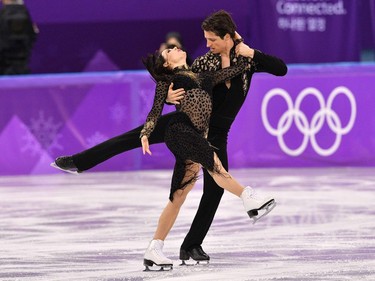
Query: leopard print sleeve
161, 92
199, 65
229, 72
207, 62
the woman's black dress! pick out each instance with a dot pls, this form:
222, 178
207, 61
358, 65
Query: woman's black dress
186, 132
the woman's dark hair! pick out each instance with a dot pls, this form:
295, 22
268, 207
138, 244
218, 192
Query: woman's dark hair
220, 23
154, 63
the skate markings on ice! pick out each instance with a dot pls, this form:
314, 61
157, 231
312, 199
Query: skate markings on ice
320, 229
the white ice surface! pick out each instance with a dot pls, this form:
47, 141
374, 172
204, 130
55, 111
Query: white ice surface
96, 226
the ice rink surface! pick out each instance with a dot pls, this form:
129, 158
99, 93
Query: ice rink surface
96, 226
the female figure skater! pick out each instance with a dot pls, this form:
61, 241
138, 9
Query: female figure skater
185, 136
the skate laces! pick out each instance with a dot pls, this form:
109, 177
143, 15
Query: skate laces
251, 193
157, 249
159, 253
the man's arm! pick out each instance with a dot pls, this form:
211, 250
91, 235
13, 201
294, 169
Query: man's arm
174, 96
261, 62
269, 64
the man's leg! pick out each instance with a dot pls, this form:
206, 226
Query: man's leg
93, 156
209, 203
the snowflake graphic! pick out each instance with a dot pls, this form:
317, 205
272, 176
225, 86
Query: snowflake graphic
96, 138
45, 135
118, 113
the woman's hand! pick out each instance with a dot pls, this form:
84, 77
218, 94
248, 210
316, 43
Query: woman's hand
145, 145
174, 96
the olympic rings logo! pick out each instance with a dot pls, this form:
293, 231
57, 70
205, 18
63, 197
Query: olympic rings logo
309, 130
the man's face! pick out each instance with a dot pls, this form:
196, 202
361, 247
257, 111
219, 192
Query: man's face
214, 42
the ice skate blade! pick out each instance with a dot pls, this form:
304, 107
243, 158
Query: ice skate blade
266, 208
194, 263
160, 267
53, 164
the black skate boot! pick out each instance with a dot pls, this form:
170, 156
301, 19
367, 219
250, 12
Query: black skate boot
196, 253
66, 164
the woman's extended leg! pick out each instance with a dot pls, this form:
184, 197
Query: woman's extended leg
253, 203
224, 179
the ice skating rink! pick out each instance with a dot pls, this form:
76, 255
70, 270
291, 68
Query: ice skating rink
96, 226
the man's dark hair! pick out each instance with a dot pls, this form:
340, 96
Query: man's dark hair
220, 23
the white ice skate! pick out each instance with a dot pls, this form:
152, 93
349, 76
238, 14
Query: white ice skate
154, 256
256, 206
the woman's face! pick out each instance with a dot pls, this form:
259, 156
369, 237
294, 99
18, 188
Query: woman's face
174, 57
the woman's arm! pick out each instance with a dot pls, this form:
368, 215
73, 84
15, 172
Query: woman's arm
228, 73
157, 107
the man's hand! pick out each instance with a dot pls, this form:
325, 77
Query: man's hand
145, 145
244, 50
174, 96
